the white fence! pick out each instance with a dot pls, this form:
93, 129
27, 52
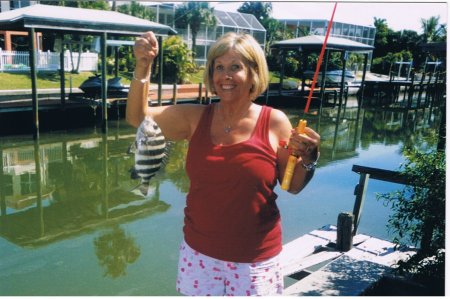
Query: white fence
19, 61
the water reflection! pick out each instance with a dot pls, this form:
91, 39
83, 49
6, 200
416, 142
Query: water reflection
51, 190
55, 190
342, 134
115, 250
65, 186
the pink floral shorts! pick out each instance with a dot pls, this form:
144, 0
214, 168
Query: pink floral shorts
201, 275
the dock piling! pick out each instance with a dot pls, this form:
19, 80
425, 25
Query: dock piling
344, 238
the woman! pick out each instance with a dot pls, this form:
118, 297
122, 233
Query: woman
232, 230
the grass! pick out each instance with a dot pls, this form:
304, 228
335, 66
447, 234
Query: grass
14, 81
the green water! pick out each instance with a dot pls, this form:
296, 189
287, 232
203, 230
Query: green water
71, 223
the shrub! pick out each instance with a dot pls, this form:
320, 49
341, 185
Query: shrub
419, 217
178, 60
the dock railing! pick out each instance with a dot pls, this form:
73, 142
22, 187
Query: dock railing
366, 173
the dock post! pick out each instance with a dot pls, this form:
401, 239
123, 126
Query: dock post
283, 61
2, 192
104, 84
62, 74
174, 94
360, 192
344, 240
160, 70
33, 75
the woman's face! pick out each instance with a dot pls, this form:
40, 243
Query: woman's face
231, 77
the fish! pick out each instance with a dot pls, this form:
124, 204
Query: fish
150, 153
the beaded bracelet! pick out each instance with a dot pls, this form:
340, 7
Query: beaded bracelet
140, 80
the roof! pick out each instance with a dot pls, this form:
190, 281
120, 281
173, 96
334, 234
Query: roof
299, 19
71, 19
315, 42
237, 20
434, 47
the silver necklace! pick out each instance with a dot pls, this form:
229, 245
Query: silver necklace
228, 127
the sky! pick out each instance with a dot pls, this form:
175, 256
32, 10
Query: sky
399, 15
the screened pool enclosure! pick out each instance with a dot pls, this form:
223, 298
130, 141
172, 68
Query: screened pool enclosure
226, 22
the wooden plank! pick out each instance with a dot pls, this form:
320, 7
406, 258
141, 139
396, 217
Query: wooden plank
360, 238
381, 252
345, 276
327, 232
299, 265
299, 248
382, 174
353, 272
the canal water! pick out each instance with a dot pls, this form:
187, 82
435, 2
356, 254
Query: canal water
72, 222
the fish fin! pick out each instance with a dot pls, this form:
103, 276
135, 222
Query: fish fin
133, 173
131, 148
141, 190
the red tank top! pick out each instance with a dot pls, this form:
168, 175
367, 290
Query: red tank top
231, 213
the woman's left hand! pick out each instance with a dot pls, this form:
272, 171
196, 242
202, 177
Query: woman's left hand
305, 145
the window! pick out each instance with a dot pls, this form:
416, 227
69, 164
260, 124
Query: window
358, 31
337, 28
345, 29
319, 27
366, 32
2, 41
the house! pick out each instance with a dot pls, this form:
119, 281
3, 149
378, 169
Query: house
226, 21
16, 40
354, 32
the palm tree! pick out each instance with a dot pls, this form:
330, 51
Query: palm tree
194, 14
261, 10
138, 10
432, 30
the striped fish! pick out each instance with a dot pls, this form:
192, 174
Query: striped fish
150, 152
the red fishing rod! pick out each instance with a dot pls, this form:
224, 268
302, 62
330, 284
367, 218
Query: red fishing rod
300, 129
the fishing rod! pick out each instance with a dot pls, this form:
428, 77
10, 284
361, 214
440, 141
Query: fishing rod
300, 129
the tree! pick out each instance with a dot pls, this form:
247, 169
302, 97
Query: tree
275, 31
100, 4
419, 217
381, 37
433, 31
261, 10
138, 10
194, 14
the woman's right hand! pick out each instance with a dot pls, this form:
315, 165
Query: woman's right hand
145, 50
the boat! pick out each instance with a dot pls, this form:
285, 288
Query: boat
332, 76
92, 87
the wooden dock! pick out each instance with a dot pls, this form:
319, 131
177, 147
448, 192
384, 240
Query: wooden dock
324, 271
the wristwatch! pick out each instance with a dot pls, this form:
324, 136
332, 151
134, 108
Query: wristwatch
311, 166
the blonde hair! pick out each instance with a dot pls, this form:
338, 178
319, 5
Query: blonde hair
252, 54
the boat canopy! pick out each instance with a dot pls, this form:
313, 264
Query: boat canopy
315, 42
78, 21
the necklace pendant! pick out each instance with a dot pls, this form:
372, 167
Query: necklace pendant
227, 129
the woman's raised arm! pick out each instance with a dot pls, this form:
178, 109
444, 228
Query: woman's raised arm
176, 121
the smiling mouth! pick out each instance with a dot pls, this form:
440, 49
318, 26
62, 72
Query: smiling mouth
227, 87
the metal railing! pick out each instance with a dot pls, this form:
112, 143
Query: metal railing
19, 61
